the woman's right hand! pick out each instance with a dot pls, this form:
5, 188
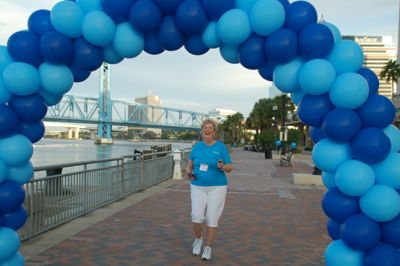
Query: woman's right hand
191, 176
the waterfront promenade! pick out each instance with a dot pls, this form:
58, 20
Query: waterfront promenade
267, 221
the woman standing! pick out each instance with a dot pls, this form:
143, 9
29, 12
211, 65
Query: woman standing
208, 163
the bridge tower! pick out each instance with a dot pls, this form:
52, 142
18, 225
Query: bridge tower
104, 128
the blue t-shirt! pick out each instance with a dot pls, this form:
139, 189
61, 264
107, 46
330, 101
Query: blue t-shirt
205, 159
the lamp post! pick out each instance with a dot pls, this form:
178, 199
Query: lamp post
275, 110
283, 125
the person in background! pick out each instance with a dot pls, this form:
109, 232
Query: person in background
208, 162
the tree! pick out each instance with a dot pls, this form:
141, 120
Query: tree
232, 128
391, 72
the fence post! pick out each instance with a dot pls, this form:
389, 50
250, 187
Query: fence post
122, 170
142, 172
177, 166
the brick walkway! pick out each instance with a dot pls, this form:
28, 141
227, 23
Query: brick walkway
267, 221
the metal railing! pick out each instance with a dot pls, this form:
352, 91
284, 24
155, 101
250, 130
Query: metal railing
86, 186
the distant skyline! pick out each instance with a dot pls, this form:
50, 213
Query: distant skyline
206, 82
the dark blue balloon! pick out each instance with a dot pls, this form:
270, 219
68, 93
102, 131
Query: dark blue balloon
33, 131
391, 232
9, 121
191, 18
372, 79
281, 45
371, 145
377, 111
39, 22
382, 255
251, 52
315, 41
299, 15
15, 219
313, 108
87, 56
168, 7
30, 108
215, 8
152, 45
145, 16
118, 10
195, 45
12, 195
339, 206
23, 46
56, 48
169, 35
333, 228
341, 125
316, 134
360, 232
267, 71
79, 74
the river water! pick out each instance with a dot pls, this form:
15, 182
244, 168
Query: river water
57, 151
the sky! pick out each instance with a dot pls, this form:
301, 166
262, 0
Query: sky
202, 83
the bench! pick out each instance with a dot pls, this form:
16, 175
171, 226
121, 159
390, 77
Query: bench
286, 160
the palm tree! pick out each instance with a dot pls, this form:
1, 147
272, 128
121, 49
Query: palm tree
391, 73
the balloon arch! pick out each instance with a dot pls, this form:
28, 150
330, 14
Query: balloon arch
356, 145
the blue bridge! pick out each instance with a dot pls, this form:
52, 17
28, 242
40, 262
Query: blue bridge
87, 110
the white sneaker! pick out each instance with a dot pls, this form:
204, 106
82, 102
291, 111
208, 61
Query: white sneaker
197, 246
206, 253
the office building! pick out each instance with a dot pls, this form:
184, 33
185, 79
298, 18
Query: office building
378, 50
221, 114
144, 114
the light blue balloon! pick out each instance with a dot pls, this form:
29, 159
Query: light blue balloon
297, 96
16, 260
229, 53
110, 56
210, 36
286, 76
317, 76
98, 28
337, 36
15, 150
89, 5
328, 179
3, 171
346, 56
5, 94
339, 254
393, 134
49, 98
127, 42
56, 79
328, 155
9, 243
234, 27
245, 5
354, 178
388, 171
67, 17
5, 58
350, 90
266, 16
381, 203
21, 174
21, 79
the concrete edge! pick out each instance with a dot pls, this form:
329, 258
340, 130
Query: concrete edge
306, 179
36, 245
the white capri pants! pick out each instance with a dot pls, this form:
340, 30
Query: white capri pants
209, 200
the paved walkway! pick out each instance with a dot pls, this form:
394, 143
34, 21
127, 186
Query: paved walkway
267, 221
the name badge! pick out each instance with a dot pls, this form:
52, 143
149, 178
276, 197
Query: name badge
203, 167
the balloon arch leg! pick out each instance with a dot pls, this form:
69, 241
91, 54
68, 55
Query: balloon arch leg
356, 145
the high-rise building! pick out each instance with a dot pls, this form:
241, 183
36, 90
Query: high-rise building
378, 50
221, 114
150, 114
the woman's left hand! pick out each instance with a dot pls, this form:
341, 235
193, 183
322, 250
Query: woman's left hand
220, 165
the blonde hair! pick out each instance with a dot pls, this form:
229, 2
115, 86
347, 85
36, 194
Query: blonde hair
215, 127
